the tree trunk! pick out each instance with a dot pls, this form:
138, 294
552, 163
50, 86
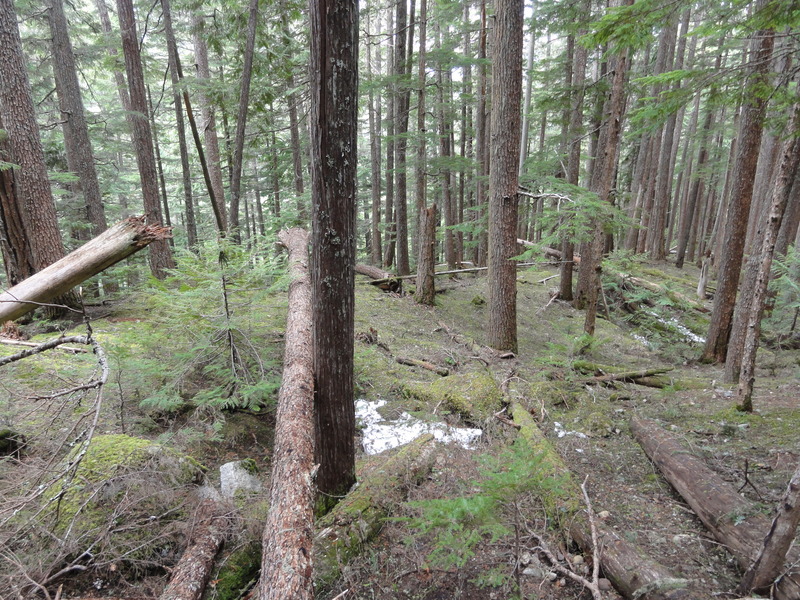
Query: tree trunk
426, 290
286, 560
108, 248
375, 125
160, 252
481, 147
241, 120
714, 501
78, 146
421, 168
745, 338
214, 165
752, 124
504, 174
402, 71
334, 120
190, 576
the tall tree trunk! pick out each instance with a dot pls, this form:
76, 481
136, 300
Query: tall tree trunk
504, 174
160, 252
375, 126
421, 168
526, 105
207, 112
391, 129
334, 120
78, 146
162, 180
405, 32
481, 146
752, 124
186, 175
241, 120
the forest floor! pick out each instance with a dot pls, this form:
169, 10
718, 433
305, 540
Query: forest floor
150, 395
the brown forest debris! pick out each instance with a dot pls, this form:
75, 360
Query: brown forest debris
190, 576
733, 520
385, 281
108, 248
632, 572
413, 362
286, 567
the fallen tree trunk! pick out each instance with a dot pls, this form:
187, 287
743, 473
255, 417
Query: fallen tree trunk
632, 572
190, 576
108, 248
286, 562
630, 376
413, 362
385, 281
733, 520
343, 532
607, 373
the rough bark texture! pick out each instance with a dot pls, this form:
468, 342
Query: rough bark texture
78, 146
504, 174
19, 120
747, 324
426, 290
343, 532
334, 89
111, 246
770, 560
714, 501
160, 252
744, 169
633, 574
190, 576
286, 563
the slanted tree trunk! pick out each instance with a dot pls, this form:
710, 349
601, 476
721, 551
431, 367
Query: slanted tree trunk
744, 169
504, 174
426, 290
334, 120
190, 576
714, 501
78, 146
241, 121
160, 252
286, 560
108, 248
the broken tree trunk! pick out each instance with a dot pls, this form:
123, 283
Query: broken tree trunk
769, 563
385, 281
632, 572
343, 532
733, 520
108, 248
190, 576
286, 562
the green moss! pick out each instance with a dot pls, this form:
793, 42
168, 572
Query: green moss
249, 465
474, 396
238, 573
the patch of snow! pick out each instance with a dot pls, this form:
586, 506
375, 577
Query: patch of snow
561, 432
380, 434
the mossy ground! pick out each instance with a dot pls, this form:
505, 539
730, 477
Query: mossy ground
146, 351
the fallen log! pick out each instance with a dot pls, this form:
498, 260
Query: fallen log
108, 248
385, 281
630, 376
70, 349
413, 362
629, 569
608, 373
190, 576
659, 289
286, 562
549, 252
733, 520
343, 532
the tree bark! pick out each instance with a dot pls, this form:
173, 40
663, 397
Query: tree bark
110, 247
375, 125
504, 174
78, 146
744, 168
402, 71
160, 252
714, 501
286, 563
190, 576
241, 120
334, 120
426, 290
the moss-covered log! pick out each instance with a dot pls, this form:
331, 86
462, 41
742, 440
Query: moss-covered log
474, 396
343, 532
632, 572
733, 520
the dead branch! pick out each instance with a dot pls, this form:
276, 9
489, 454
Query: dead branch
413, 362
71, 349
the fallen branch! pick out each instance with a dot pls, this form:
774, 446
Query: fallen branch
286, 562
49, 345
630, 376
108, 248
413, 362
71, 349
385, 281
190, 576
343, 532
450, 272
733, 520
